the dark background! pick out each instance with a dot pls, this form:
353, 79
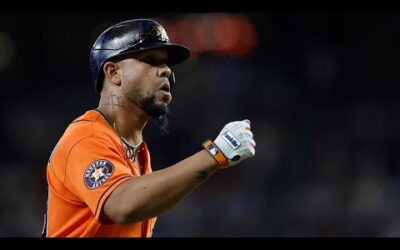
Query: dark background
320, 88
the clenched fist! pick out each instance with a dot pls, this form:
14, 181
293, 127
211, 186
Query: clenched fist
234, 144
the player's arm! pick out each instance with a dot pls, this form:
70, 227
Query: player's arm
147, 196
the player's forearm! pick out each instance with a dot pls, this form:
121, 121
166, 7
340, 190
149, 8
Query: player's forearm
147, 196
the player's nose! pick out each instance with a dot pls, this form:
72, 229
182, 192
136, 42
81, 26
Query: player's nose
164, 71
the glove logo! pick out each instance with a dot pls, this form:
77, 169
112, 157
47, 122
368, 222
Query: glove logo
230, 139
97, 173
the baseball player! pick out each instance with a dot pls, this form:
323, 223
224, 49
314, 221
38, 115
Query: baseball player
100, 181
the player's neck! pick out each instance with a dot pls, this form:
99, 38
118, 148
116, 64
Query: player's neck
126, 123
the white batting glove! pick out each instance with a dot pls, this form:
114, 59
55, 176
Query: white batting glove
234, 144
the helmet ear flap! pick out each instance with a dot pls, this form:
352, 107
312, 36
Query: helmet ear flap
171, 80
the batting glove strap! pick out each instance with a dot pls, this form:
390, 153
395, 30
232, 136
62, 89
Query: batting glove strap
216, 153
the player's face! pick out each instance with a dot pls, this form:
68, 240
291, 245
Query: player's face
145, 81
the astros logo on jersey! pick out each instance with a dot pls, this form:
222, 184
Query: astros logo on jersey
97, 173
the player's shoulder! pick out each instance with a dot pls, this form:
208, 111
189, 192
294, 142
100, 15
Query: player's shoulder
89, 125
81, 127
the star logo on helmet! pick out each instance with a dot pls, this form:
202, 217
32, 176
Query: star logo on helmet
161, 33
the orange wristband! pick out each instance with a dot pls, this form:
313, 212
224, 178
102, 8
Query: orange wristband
216, 153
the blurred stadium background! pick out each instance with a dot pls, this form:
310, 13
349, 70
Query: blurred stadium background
321, 90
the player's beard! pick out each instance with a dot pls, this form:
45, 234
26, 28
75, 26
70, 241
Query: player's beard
158, 112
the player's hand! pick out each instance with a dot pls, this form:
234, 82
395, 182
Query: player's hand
236, 143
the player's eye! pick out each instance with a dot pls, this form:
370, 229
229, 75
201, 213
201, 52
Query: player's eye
153, 61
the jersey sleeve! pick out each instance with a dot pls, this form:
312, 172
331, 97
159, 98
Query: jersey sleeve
95, 168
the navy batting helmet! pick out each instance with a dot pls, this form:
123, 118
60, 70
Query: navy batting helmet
130, 36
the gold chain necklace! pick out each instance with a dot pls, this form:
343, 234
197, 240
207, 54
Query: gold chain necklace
131, 151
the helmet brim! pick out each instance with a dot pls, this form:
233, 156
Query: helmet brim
176, 53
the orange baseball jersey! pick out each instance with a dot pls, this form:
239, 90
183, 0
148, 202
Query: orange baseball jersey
86, 165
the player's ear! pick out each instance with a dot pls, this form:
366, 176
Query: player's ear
112, 72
